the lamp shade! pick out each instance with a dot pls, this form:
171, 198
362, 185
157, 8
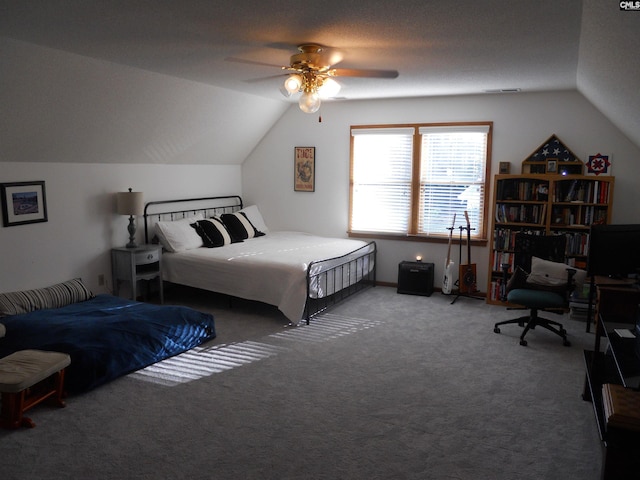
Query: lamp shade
129, 203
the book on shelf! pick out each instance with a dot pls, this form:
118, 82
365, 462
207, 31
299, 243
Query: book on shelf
621, 406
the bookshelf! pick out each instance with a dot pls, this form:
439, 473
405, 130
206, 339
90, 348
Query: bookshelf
545, 204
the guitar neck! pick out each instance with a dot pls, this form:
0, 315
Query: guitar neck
466, 216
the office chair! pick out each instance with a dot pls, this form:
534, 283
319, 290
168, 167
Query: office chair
547, 287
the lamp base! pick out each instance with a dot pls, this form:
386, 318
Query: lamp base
132, 233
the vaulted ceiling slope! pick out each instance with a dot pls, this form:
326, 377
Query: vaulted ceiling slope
438, 46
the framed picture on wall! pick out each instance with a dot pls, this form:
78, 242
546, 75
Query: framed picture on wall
23, 202
304, 169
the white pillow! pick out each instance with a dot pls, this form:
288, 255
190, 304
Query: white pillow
544, 272
179, 235
255, 217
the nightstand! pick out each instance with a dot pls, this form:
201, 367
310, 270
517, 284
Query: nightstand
133, 264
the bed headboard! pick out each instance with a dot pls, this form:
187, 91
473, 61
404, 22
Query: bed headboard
169, 210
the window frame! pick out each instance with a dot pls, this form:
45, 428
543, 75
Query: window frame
480, 236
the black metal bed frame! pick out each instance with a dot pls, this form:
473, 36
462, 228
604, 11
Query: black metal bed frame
357, 267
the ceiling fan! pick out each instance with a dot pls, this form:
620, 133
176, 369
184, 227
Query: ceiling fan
311, 72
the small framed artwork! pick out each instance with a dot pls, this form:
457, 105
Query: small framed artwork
504, 168
23, 202
304, 166
552, 165
599, 164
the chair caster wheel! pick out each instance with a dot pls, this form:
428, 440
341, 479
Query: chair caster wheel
523, 343
496, 330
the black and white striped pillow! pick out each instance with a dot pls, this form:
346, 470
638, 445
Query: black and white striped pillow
55, 296
239, 226
213, 233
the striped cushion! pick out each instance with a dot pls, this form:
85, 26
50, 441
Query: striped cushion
239, 226
213, 233
59, 295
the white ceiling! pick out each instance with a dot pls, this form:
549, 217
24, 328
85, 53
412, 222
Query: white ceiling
439, 47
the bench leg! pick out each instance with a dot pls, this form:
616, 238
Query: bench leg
59, 386
12, 408
15, 404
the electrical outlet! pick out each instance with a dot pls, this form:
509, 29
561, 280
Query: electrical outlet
101, 279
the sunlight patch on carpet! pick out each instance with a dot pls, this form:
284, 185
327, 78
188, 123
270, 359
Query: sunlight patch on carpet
326, 326
201, 362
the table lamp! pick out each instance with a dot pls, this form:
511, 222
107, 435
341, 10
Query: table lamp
130, 203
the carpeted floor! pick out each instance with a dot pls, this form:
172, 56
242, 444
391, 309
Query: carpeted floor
384, 386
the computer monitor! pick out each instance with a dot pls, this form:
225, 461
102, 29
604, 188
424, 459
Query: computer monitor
614, 250
637, 332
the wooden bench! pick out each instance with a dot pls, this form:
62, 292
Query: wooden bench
27, 378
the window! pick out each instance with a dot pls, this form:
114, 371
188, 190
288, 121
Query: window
412, 179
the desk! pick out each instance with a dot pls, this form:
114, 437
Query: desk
613, 298
620, 365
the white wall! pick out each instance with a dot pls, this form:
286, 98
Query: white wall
90, 128
69, 118
522, 122
82, 226
61, 107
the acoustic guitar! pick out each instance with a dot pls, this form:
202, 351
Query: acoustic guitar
468, 272
447, 280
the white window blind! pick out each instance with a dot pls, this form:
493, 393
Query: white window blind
452, 177
445, 173
381, 180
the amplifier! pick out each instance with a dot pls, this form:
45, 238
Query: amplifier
415, 278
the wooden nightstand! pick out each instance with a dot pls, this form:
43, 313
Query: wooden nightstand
132, 264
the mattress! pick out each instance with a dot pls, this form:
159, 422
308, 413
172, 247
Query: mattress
270, 269
107, 336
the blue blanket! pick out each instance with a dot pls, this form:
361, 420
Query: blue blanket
107, 336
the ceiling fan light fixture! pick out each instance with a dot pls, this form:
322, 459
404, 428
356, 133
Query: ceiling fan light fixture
329, 88
293, 83
309, 102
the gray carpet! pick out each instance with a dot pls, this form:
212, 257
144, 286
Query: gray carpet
384, 386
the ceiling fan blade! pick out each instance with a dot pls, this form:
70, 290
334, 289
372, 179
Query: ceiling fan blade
358, 72
251, 62
263, 79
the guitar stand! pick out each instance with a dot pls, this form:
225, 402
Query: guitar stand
459, 294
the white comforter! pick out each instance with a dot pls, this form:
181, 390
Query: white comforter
270, 269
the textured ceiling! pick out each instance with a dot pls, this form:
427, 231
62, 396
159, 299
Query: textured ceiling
439, 47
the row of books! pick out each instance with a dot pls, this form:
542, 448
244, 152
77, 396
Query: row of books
584, 215
579, 305
499, 258
504, 240
577, 244
621, 406
523, 189
524, 213
496, 290
586, 191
